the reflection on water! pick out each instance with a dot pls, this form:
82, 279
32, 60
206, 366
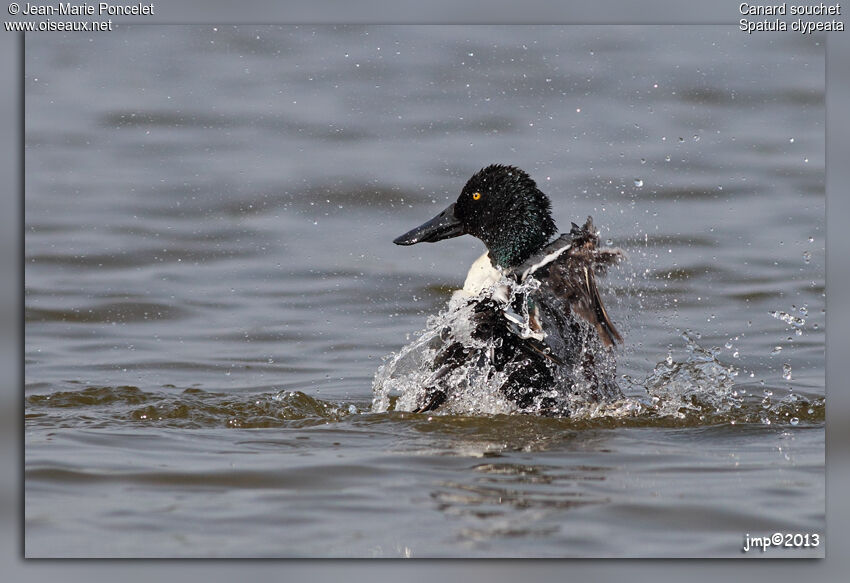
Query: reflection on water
211, 286
513, 500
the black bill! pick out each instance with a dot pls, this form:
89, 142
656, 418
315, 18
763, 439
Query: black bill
444, 226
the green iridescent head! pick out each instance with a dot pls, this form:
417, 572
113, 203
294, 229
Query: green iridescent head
502, 206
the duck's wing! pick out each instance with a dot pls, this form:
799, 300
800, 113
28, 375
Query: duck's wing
568, 268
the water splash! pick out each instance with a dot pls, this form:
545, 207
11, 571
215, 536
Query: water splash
698, 390
702, 390
700, 384
408, 372
789, 319
475, 383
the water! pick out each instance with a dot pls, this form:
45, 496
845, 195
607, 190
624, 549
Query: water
211, 287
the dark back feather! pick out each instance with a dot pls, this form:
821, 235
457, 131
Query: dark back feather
571, 277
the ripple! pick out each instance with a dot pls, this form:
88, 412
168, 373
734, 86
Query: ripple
164, 118
714, 96
191, 408
90, 396
122, 259
108, 313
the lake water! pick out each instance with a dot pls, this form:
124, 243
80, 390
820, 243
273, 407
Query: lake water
211, 287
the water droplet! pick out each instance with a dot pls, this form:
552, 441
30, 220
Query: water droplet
807, 256
696, 138
788, 318
638, 182
776, 350
681, 139
794, 421
667, 158
643, 160
786, 371
728, 345
811, 239
791, 140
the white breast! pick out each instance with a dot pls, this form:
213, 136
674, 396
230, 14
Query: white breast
482, 275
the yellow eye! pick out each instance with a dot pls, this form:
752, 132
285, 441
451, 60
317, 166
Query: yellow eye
476, 196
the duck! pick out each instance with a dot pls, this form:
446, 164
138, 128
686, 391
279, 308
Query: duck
539, 324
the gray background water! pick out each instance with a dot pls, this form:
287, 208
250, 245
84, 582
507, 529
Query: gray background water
208, 224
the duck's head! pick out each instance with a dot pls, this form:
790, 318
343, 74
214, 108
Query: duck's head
502, 206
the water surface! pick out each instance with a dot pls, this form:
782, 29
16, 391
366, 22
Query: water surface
211, 286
